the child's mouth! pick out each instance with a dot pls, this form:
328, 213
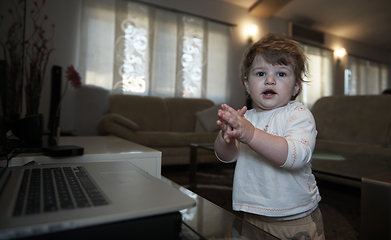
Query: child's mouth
269, 93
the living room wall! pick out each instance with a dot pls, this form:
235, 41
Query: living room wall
66, 15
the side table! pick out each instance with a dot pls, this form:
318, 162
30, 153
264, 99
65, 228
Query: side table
101, 149
193, 159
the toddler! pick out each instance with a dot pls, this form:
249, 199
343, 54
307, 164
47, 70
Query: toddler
272, 143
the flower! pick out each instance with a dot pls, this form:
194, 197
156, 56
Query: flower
74, 78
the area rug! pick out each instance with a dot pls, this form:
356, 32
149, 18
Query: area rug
340, 205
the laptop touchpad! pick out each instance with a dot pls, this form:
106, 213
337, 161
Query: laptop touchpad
124, 178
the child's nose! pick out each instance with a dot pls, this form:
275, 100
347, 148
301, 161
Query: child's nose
270, 81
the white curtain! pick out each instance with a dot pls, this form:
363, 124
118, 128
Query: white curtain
365, 77
134, 48
217, 72
164, 62
320, 75
97, 43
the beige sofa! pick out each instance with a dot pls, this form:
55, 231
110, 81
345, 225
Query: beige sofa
166, 124
358, 128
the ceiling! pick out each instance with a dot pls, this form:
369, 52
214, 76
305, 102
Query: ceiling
364, 21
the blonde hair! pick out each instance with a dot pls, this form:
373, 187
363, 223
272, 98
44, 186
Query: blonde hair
279, 50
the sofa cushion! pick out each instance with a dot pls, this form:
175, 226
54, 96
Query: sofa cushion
182, 112
361, 119
206, 120
92, 102
149, 113
352, 149
107, 122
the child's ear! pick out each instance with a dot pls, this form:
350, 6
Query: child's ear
297, 89
246, 84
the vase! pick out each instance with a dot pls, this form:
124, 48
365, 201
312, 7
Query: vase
9, 120
29, 131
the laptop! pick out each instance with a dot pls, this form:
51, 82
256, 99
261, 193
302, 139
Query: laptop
82, 195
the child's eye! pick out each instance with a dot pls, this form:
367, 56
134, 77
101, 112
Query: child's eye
281, 74
260, 74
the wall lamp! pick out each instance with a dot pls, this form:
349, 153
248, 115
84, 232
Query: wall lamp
251, 31
340, 53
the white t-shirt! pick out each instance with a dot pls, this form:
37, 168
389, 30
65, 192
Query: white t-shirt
269, 190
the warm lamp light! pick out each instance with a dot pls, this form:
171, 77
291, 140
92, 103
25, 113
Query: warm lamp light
251, 31
340, 53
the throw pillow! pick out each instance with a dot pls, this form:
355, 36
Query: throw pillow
206, 120
112, 118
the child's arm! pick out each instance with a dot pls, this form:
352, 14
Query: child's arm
226, 151
272, 148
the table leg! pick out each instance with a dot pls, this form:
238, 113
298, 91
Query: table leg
193, 166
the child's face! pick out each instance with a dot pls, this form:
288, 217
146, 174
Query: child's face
270, 86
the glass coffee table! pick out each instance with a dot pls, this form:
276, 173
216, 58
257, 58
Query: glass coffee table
208, 221
193, 159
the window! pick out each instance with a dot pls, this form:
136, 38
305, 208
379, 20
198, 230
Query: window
365, 77
97, 43
131, 51
320, 75
168, 54
134, 48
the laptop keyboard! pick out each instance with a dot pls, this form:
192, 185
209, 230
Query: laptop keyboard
54, 189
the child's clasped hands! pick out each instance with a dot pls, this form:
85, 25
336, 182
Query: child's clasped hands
234, 125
